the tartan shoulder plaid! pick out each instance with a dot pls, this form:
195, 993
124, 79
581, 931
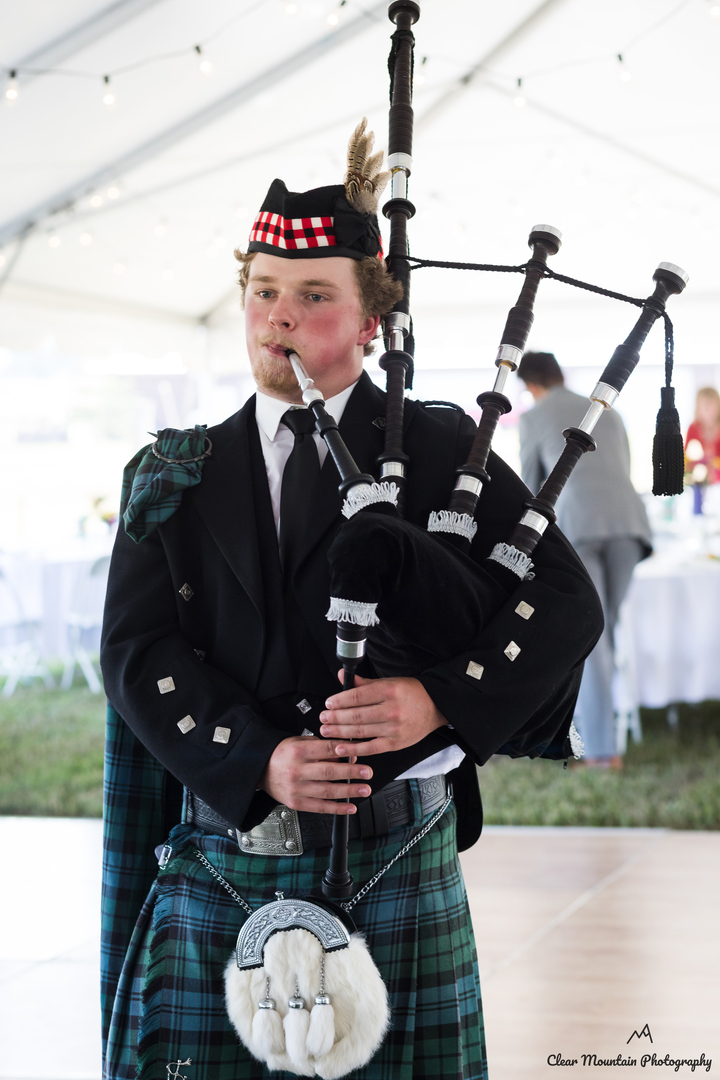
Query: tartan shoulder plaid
152, 489
170, 1002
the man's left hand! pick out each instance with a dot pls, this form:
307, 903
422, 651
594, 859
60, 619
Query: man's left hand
385, 714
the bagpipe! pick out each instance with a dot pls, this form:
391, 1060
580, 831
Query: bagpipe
386, 573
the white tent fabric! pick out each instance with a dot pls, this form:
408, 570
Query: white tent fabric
118, 304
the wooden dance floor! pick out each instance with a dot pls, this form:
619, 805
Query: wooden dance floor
584, 936
587, 935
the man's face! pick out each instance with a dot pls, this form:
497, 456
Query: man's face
311, 306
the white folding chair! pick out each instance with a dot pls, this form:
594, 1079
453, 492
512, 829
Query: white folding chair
20, 657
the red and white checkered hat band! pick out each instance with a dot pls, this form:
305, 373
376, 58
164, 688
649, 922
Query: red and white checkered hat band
293, 234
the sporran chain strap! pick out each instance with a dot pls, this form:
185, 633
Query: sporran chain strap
350, 904
225, 884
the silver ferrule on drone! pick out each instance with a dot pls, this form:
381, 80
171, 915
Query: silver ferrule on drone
350, 650
397, 328
465, 482
506, 361
400, 165
307, 386
535, 521
389, 469
603, 397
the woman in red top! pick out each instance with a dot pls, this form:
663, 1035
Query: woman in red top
702, 443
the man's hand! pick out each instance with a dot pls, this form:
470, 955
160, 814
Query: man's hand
305, 774
389, 713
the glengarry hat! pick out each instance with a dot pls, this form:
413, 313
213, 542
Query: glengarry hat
338, 220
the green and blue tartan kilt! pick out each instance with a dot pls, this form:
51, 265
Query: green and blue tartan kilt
170, 999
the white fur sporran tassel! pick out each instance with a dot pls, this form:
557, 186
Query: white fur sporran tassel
368, 494
296, 1024
321, 1033
449, 521
352, 611
512, 559
267, 1031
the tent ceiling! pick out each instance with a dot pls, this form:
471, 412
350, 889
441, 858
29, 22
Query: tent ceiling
629, 170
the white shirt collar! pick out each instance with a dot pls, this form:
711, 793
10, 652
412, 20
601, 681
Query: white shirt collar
269, 411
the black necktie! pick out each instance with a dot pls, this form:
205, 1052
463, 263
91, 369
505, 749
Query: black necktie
301, 472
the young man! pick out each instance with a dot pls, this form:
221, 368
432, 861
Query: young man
221, 672
610, 533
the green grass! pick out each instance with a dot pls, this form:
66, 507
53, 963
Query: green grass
51, 745
51, 752
670, 780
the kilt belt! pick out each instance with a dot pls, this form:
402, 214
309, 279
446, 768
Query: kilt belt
286, 832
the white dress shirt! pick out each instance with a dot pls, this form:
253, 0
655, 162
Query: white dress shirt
277, 442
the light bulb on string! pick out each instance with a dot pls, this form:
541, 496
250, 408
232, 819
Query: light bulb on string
625, 75
54, 240
334, 17
113, 192
86, 238
291, 9
519, 99
12, 90
204, 65
108, 96
96, 201
714, 10
2, 260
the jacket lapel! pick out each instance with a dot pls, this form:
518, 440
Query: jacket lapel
225, 502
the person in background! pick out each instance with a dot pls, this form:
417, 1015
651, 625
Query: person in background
602, 516
702, 442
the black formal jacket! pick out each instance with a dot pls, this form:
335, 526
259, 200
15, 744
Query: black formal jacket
200, 601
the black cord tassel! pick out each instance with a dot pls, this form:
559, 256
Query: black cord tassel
668, 451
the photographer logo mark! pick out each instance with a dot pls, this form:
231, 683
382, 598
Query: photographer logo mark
645, 1033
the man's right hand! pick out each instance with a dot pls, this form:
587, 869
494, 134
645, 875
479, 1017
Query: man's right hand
304, 773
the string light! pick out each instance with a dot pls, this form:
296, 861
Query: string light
291, 9
108, 96
2, 260
96, 201
54, 240
11, 90
334, 17
714, 11
86, 238
625, 75
113, 192
519, 99
205, 65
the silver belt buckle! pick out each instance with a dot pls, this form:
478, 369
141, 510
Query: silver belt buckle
278, 834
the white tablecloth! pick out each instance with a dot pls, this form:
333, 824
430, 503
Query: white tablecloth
671, 624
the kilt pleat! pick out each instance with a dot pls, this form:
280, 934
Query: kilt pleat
416, 919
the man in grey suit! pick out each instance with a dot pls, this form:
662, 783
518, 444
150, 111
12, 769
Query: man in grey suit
603, 518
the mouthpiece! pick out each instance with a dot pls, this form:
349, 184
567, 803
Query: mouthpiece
307, 386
